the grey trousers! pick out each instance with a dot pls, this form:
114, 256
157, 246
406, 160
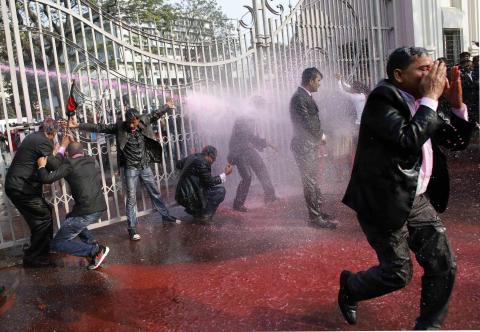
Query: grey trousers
424, 234
307, 163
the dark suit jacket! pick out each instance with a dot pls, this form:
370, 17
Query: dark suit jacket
195, 177
307, 129
85, 181
243, 139
22, 173
388, 157
120, 130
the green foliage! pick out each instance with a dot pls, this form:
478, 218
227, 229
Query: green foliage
140, 11
202, 19
207, 11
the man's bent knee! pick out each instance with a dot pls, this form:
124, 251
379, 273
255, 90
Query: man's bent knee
222, 192
401, 276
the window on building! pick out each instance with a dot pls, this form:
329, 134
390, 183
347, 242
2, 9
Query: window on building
452, 44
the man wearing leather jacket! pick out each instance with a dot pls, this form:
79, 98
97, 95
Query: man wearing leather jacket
399, 184
197, 190
136, 149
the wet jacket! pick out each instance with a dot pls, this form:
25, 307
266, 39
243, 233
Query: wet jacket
307, 128
85, 181
153, 149
389, 157
243, 139
22, 173
195, 177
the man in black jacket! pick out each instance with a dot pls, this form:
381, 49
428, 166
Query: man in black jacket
136, 149
307, 137
25, 191
470, 90
197, 190
83, 175
243, 145
400, 183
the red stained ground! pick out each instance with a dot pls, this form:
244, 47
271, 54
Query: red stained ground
264, 270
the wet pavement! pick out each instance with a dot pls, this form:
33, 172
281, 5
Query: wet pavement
263, 270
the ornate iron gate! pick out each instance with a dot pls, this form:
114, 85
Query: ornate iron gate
49, 43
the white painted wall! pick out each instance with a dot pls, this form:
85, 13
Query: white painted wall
421, 23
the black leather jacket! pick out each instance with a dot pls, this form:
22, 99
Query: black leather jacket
83, 176
195, 177
153, 148
388, 157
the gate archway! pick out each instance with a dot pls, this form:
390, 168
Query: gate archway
116, 64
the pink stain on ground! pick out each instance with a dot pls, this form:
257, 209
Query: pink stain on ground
264, 270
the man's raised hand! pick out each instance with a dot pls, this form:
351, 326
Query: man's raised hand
453, 89
228, 169
433, 84
71, 123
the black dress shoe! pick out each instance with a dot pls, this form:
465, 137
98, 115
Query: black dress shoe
327, 217
240, 208
347, 306
270, 199
202, 219
38, 262
171, 220
422, 326
321, 223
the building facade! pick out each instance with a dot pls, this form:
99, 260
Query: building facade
445, 27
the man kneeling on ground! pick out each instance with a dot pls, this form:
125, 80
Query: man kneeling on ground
197, 190
83, 175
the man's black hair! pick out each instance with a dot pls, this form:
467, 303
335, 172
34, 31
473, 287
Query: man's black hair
443, 59
209, 150
465, 55
131, 114
402, 57
310, 74
74, 148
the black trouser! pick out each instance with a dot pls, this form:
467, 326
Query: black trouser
215, 196
424, 233
251, 160
308, 165
37, 213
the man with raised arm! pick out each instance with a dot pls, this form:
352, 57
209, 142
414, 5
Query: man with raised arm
136, 149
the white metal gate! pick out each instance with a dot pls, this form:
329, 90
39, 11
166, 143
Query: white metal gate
46, 44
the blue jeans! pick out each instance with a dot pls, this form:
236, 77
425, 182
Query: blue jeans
131, 177
71, 228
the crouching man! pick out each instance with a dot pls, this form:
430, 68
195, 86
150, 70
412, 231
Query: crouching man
197, 190
83, 175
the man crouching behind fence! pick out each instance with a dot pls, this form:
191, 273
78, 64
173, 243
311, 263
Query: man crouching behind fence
83, 175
